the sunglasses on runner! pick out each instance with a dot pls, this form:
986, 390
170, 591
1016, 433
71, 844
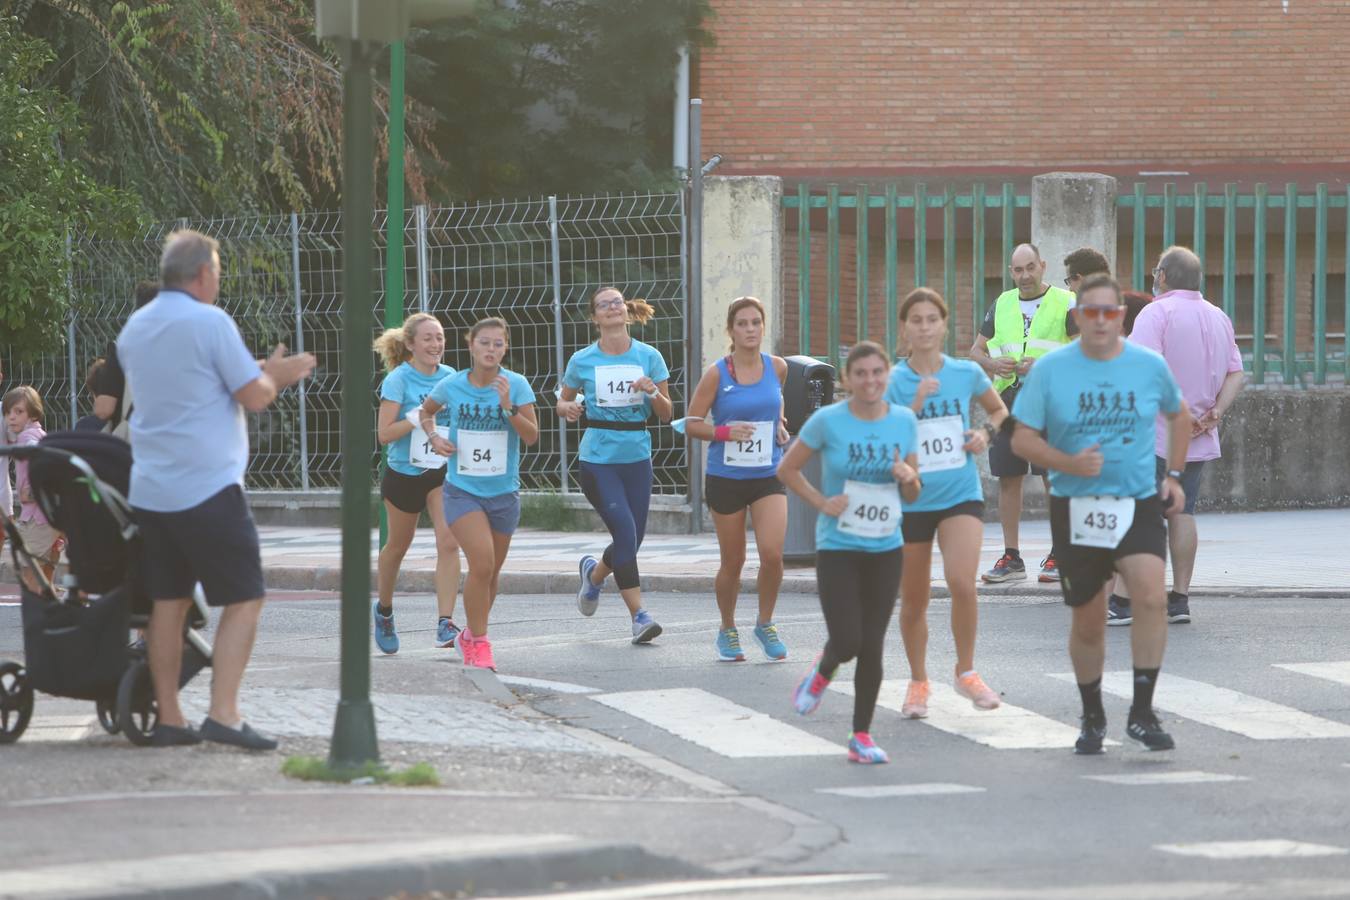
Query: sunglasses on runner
1109, 313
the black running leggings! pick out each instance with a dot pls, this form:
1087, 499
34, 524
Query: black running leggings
857, 595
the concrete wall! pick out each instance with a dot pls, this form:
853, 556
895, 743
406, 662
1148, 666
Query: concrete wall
1071, 210
742, 255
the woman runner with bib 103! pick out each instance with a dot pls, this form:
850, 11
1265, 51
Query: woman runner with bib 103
939, 390
622, 380
1087, 413
413, 476
744, 393
491, 413
867, 445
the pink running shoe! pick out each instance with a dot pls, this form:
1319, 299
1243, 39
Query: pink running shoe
916, 700
483, 654
467, 647
972, 687
862, 749
810, 691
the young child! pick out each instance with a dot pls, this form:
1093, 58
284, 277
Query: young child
23, 421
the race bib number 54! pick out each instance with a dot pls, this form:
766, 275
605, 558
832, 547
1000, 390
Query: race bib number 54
1100, 521
873, 509
480, 453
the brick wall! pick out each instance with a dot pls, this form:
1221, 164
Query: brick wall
802, 86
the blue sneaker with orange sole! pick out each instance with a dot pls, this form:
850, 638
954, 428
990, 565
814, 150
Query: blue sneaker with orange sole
862, 749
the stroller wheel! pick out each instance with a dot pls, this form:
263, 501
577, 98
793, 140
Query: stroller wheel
107, 715
137, 712
16, 701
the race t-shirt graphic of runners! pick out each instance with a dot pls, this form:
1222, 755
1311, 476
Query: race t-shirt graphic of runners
1108, 416
872, 459
480, 417
935, 410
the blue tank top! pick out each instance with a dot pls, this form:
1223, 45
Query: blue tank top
761, 402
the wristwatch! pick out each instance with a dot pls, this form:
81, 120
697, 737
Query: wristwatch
990, 431
1175, 473
511, 412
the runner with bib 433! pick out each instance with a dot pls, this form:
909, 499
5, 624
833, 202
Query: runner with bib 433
1096, 402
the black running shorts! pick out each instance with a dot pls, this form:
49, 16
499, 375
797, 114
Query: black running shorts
728, 496
1083, 571
214, 543
921, 527
409, 493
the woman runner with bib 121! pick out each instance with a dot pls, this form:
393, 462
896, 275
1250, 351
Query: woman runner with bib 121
413, 475
867, 445
744, 393
491, 413
939, 390
623, 380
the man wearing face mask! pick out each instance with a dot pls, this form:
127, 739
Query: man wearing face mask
1024, 324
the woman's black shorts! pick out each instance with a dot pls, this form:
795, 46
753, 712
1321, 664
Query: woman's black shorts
409, 492
921, 527
728, 496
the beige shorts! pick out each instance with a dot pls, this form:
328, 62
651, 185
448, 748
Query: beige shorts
39, 538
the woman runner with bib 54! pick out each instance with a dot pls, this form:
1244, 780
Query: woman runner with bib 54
867, 445
744, 392
491, 413
623, 380
939, 390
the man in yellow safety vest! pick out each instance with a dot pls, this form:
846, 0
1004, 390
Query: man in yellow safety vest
1024, 324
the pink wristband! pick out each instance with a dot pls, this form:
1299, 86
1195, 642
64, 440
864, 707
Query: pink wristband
722, 433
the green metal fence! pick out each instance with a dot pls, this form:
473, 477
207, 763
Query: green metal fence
1241, 218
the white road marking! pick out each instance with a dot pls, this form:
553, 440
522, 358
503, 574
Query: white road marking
1271, 849
714, 885
1227, 709
1338, 672
719, 725
59, 729
1167, 778
901, 790
1006, 728
559, 687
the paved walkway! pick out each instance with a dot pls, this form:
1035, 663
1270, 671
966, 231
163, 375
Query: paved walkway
1294, 550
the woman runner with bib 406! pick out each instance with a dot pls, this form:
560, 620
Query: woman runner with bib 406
413, 476
744, 392
491, 412
622, 381
939, 390
867, 446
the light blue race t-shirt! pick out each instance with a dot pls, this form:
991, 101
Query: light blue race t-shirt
854, 449
408, 387
606, 381
943, 421
1077, 401
487, 458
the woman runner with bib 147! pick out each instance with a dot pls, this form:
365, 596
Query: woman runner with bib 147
939, 390
491, 413
413, 477
623, 380
744, 392
867, 445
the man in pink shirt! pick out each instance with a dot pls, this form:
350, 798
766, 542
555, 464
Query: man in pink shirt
1196, 339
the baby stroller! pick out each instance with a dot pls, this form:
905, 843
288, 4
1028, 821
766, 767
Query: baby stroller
76, 640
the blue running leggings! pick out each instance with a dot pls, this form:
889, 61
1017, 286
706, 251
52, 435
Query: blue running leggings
621, 493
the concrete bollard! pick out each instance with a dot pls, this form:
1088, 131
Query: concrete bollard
742, 255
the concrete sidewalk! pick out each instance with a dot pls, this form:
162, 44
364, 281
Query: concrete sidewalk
1265, 553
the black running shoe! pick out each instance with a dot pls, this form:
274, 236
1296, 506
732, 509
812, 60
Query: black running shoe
1090, 736
1178, 608
1145, 730
1118, 611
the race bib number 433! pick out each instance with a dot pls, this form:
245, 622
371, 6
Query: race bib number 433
873, 509
614, 386
1100, 521
480, 453
941, 444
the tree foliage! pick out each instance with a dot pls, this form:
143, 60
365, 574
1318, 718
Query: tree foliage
46, 194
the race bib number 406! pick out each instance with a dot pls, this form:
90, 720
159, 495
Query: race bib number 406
614, 386
941, 444
480, 453
873, 509
1099, 521
752, 453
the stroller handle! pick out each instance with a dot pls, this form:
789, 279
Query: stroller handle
32, 451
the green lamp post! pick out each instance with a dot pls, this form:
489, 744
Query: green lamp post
361, 29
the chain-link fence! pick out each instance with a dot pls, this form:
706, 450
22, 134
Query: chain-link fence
533, 262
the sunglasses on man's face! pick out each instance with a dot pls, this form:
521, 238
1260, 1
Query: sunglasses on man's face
1109, 313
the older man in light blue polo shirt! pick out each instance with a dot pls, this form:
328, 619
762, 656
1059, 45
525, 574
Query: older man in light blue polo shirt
192, 378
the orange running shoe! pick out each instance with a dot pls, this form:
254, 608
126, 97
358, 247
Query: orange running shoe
972, 687
916, 700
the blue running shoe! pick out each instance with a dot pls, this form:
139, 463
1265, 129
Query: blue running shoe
588, 595
861, 749
729, 646
645, 628
810, 691
767, 635
386, 638
446, 632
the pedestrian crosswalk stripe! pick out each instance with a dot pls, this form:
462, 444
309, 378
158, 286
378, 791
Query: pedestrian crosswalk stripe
1252, 849
1006, 728
1226, 709
718, 724
1331, 671
54, 729
872, 792
1147, 778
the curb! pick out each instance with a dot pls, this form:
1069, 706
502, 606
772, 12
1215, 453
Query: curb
493, 865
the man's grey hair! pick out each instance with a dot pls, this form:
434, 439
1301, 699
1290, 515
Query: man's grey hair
185, 252
1182, 268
